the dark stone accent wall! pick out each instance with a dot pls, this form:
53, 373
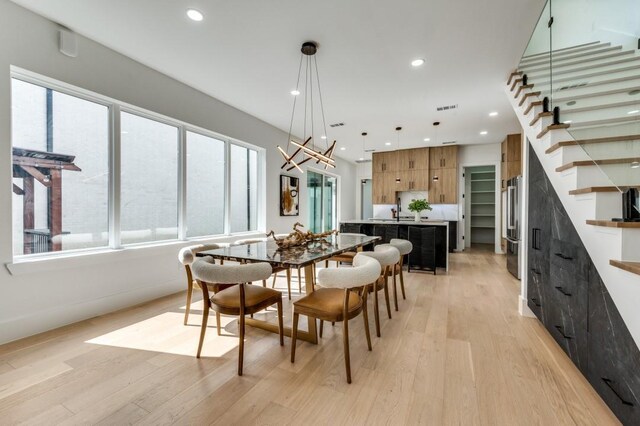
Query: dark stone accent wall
566, 293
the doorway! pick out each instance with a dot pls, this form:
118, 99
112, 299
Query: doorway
480, 207
366, 210
322, 192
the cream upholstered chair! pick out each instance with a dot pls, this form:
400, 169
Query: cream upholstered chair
342, 296
186, 256
387, 256
404, 247
241, 299
275, 270
346, 256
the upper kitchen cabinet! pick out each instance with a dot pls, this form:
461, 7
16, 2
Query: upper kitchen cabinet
384, 162
444, 157
413, 159
511, 158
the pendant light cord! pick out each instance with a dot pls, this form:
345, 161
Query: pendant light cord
295, 98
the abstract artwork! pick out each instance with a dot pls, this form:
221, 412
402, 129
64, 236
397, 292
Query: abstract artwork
289, 195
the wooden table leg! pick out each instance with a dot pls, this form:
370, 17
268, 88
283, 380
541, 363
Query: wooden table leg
311, 335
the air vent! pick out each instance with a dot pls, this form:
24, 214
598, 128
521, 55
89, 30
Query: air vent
370, 150
336, 125
447, 107
449, 142
363, 161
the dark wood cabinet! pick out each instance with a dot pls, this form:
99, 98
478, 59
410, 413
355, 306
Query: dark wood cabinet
565, 291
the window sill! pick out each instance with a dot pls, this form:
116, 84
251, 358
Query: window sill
25, 265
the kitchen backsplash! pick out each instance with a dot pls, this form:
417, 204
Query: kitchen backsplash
440, 211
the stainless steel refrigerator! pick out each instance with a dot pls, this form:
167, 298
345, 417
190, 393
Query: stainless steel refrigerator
514, 206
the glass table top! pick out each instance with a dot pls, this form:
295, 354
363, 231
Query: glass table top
268, 251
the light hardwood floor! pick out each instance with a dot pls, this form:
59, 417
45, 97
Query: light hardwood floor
456, 353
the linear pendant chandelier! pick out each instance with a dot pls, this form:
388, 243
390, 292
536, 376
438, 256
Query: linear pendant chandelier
307, 150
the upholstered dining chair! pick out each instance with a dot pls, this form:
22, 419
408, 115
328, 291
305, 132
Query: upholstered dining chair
275, 270
186, 256
346, 256
341, 296
240, 299
404, 247
387, 256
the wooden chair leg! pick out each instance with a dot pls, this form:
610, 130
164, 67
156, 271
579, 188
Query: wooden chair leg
395, 288
264, 283
345, 335
326, 263
386, 295
402, 279
294, 335
321, 327
218, 326
365, 315
280, 324
299, 282
376, 308
273, 284
203, 329
241, 345
188, 307
289, 283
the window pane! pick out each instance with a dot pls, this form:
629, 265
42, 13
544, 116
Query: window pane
149, 180
61, 192
244, 185
205, 185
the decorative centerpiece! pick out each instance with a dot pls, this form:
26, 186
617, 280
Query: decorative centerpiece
300, 238
417, 206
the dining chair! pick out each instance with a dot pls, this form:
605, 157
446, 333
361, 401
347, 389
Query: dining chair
241, 299
404, 247
275, 270
347, 256
387, 256
341, 296
186, 256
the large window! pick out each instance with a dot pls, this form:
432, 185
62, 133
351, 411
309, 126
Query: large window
205, 185
157, 179
322, 191
244, 189
60, 170
149, 180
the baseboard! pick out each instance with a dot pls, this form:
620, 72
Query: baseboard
58, 316
523, 309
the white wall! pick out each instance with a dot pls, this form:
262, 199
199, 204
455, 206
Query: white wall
583, 21
49, 293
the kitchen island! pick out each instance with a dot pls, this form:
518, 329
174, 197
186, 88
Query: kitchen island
432, 239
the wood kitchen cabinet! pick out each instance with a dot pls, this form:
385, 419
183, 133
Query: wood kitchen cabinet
384, 188
443, 165
445, 157
511, 158
413, 180
413, 159
411, 166
385, 162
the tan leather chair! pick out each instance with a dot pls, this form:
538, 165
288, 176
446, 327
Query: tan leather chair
187, 256
240, 299
404, 247
275, 270
347, 256
387, 256
342, 296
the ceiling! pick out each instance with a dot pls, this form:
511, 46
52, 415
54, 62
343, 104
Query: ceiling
246, 53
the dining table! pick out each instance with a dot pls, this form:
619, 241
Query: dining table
298, 257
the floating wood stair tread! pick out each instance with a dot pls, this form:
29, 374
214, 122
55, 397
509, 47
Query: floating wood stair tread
521, 88
612, 224
633, 267
512, 75
515, 83
528, 95
552, 127
531, 105
592, 141
539, 116
604, 162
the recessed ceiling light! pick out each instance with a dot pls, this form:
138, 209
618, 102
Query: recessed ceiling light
195, 15
493, 114
635, 164
417, 62
426, 139
295, 92
360, 159
323, 137
387, 143
567, 121
635, 111
484, 132
342, 148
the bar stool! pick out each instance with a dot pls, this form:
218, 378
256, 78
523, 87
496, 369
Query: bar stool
342, 296
404, 247
387, 256
346, 256
241, 299
187, 256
